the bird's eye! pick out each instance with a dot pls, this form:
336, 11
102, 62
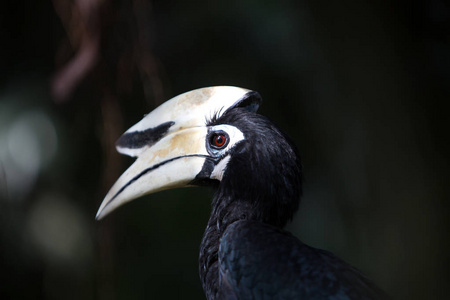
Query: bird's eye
219, 140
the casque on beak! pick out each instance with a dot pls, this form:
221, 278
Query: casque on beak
170, 143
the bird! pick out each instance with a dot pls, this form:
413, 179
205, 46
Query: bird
214, 137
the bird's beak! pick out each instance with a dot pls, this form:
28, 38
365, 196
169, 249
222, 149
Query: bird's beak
170, 143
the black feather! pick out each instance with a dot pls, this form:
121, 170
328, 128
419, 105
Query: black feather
245, 253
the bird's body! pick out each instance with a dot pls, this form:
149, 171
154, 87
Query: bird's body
245, 253
256, 171
257, 261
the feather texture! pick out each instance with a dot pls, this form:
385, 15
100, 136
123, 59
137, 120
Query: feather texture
245, 253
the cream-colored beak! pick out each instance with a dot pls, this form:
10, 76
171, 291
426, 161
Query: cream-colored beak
170, 143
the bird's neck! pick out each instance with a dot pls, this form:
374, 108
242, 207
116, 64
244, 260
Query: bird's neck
224, 213
208, 258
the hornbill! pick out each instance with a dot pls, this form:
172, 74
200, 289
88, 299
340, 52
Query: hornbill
213, 136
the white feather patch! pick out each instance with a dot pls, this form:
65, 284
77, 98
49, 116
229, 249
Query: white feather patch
220, 168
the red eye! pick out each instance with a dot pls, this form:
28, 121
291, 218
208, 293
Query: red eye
219, 140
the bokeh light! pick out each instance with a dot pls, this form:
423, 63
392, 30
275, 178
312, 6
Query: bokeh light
27, 145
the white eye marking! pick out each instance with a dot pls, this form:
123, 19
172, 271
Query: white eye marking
234, 136
220, 168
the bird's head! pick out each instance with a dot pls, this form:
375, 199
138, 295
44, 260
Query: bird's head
212, 136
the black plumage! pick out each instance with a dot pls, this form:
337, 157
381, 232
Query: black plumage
245, 253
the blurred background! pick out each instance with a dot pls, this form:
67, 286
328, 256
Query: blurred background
361, 86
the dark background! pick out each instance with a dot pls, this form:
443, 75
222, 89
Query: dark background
361, 86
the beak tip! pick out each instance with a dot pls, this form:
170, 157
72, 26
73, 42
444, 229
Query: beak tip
100, 214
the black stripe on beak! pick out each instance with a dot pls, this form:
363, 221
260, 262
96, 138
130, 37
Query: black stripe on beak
148, 137
150, 169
